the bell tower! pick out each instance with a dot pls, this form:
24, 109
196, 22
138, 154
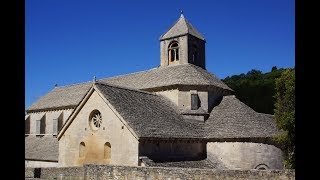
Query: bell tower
182, 44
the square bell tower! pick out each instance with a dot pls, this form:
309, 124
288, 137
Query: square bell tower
182, 44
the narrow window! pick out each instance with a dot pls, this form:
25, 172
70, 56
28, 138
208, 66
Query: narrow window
82, 149
194, 55
55, 127
177, 54
38, 122
43, 125
173, 52
107, 150
27, 126
172, 55
60, 123
194, 101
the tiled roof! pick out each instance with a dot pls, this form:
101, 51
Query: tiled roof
181, 27
41, 148
233, 119
61, 97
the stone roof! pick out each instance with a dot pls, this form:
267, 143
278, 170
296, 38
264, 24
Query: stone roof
234, 119
45, 148
186, 74
148, 114
61, 97
181, 27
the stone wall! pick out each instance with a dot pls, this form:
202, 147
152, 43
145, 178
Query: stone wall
94, 172
245, 155
171, 94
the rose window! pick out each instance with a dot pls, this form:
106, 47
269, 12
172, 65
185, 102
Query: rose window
95, 120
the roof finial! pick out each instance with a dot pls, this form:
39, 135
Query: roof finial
181, 15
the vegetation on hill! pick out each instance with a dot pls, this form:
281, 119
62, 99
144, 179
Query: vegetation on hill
256, 89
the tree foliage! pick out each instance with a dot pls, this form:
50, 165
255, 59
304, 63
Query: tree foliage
285, 115
256, 89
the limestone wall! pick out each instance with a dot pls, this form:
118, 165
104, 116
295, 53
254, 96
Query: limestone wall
245, 155
172, 95
124, 146
94, 172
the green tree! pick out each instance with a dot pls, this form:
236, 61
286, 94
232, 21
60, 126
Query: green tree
255, 89
285, 115
274, 68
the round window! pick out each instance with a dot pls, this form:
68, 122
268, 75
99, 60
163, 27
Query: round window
95, 120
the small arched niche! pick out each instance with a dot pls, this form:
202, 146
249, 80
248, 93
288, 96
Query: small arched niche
107, 150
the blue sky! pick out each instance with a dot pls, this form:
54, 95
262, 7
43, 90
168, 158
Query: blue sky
70, 41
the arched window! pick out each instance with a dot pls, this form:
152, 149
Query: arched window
173, 52
107, 150
82, 149
195, 54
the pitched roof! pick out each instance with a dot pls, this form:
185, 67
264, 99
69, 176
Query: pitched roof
149, 115
181, 27
233, 119
41, 148
186, 74
61, 97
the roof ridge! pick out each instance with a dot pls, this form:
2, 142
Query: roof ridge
102, 79
171, 27
192, 27
125, 88
71, 85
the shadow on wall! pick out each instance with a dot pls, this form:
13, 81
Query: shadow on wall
216, 161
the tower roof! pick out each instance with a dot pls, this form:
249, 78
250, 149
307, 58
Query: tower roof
181, 27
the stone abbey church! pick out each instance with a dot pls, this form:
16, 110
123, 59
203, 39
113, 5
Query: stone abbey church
175, 115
